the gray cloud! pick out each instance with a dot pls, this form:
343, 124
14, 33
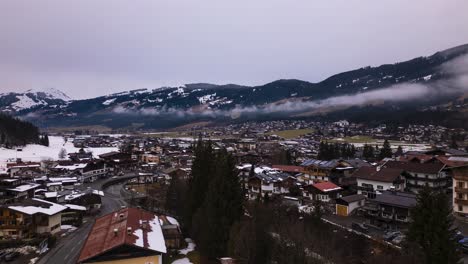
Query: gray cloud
88, 48
404, 92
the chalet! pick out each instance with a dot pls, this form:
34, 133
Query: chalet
80, 156
334, 170
269, 182
73, 215
23, 191
30, 217
419, 175
374, 180
390, 209
118, 160
94, 170
322, 191
91, 199
128, 235
26, 170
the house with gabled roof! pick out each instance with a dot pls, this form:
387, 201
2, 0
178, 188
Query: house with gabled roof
129, 235
332, 170
30, 217
322, 191
371, 181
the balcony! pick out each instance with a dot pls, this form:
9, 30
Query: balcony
461, 190
461, 201
461, 177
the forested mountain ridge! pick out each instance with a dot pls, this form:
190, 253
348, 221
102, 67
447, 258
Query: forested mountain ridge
15, 132
431, 83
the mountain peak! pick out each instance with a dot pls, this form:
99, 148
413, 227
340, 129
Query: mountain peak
50, 93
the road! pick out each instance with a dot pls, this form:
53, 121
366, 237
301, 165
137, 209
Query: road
68, 248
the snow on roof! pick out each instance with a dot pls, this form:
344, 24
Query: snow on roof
24, 187
61, 179
100, 193
76, 207
151, 236
52, 208
72, 167
172, 220
50, 194
128, 226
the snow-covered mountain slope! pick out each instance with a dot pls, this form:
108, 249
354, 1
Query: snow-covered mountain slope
418, 84
32, 99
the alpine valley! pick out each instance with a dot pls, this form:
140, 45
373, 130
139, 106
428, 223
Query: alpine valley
426, 90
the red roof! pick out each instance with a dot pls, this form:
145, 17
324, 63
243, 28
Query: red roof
289, 168
326, 186
103, 238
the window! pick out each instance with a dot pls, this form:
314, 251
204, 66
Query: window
460, 196
460, 184
460, 208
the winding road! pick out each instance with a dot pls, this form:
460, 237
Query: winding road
68, 248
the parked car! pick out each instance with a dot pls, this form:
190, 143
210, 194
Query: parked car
389, 236
11, 256
360, 227
398, 239
464, 240
3, 254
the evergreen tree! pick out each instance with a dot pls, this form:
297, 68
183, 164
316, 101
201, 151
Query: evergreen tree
399, 151
202, 173
385, 151
368, 152
431, 228
221, 208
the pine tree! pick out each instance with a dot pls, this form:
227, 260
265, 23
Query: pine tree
399, 151
202, 172
385, 151
222, 207
431, 228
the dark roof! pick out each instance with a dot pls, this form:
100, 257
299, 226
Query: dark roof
357, 163
397, 199
428, 168
272, 177
383, 175
324, 164
353, 198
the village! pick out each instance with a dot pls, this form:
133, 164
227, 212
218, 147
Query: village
109, 196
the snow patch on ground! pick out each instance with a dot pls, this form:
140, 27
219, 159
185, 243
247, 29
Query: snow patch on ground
182, 261
37, 153
428, 77
108, 102
190, 247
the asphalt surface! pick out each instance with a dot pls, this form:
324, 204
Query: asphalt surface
68, 248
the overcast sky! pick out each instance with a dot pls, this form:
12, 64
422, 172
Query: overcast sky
94, 47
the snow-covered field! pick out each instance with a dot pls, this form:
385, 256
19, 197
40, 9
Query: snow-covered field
39, 153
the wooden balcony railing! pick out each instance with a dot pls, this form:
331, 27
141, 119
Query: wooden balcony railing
461, 201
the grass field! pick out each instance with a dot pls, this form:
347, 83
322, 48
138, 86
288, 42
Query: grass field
292, 133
